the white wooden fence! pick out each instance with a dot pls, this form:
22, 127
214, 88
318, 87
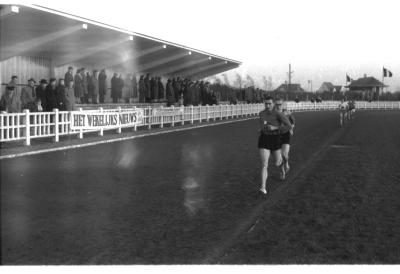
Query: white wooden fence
32, 125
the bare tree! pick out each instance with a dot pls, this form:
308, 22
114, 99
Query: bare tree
239, 81
226, 80
249, 80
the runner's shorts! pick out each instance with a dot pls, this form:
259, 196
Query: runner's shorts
270, 142
285, 138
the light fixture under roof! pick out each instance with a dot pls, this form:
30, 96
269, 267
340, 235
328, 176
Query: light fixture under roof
190, 53
15, 9
131, 37
209, 58
226, 62
84, 26
164, 46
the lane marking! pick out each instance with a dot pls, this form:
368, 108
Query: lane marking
47, 150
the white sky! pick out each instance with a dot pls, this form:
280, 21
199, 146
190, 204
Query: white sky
321, 39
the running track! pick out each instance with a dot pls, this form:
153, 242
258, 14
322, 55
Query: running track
179, 198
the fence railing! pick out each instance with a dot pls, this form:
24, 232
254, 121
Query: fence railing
32, 125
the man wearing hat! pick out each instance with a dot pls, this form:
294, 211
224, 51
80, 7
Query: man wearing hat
78, 86
10, 101
28, 95
51, 96
69, 76
41, 91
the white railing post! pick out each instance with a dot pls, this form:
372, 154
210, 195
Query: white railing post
213, 112
101, 132
173, 116
220, 112
191, 114
119, 129
207, 112
56, 129
162, 118
135, 126
183, 115
80, 136
27, 128
148, 117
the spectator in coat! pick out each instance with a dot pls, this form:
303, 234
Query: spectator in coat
11, 100
85, 86
69, 76
102, 85
41, 92
161, 90
128, 89
142, 90
60, 94
95, 87
51, 96
177, 88
135, 88
69, 97
148, 89
154, 89
78, 87
14, 83
170, 93
121, 84
114, 88
28, 95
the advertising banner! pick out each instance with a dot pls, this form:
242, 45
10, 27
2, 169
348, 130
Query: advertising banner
88, 120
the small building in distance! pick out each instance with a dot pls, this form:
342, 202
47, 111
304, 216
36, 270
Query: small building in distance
366, 87
329, 87
366, 84
326, 87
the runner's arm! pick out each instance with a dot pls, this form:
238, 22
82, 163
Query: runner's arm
285, 123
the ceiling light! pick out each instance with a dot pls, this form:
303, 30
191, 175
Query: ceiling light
15, 9
84, 26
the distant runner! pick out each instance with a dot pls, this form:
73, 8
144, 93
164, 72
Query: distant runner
343, 107
285, 138
272, 124
352, 109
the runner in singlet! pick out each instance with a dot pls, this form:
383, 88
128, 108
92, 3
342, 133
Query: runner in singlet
352, 109
272, 124
285, 137
343, 107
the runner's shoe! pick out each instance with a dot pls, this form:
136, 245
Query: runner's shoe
287, 168
283, 173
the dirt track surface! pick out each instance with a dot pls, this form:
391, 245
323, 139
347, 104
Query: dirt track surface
191, 197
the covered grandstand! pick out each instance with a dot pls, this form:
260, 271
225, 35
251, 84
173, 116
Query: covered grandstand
40, 42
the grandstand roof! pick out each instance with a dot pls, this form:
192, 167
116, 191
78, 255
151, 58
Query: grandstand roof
32, 30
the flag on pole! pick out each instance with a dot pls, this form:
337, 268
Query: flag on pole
387, 73
348, 79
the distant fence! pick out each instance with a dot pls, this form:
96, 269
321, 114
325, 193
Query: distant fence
33, 125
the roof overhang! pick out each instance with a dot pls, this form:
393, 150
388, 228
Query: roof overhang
32, 30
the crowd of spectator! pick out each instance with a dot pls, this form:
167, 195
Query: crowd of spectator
90, 87
43, 97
